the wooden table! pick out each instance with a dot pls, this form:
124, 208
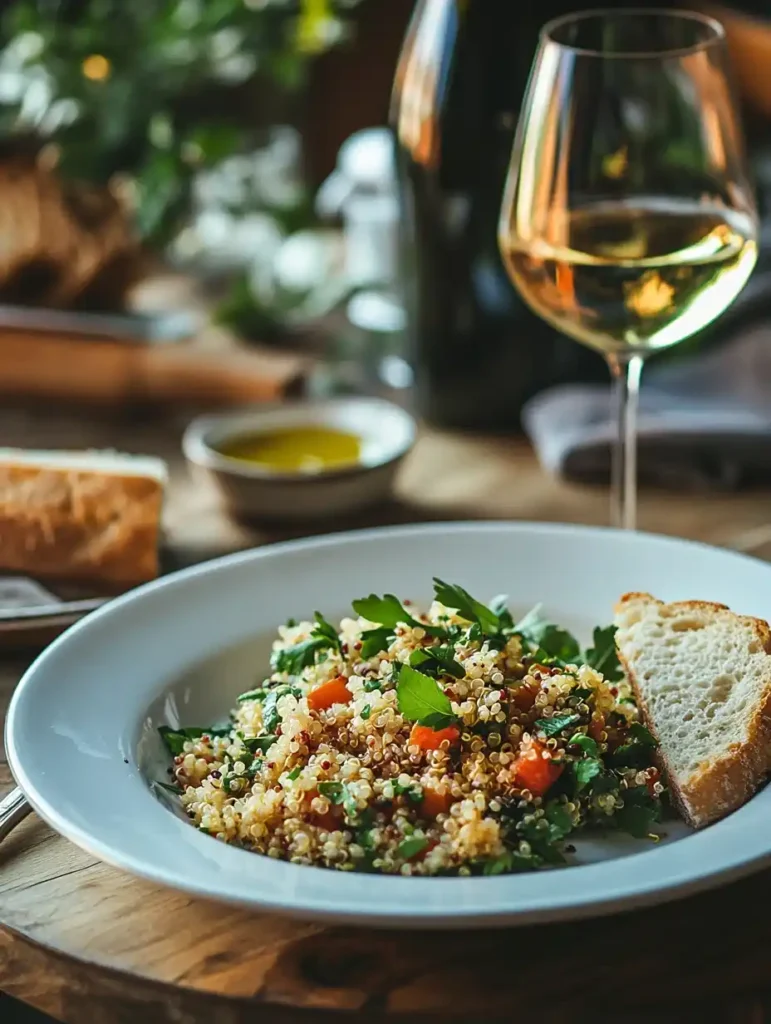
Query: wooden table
87, 943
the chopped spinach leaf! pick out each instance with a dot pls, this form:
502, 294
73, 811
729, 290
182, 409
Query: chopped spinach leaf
554, 725
453, 596
422, 700
409, 848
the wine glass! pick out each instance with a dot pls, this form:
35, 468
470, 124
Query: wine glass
627, 221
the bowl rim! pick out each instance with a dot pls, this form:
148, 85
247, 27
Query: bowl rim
199, 452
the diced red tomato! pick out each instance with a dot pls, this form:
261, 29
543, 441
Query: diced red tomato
431, 739
334, 691
596, 728
523, 697
330, 820
536, 772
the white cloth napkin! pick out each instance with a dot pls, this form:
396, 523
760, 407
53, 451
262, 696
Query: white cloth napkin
704, 422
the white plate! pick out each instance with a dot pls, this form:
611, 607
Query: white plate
179, 650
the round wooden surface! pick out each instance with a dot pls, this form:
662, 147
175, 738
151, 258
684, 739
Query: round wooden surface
86, 943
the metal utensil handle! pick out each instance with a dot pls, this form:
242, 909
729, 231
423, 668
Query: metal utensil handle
13, 809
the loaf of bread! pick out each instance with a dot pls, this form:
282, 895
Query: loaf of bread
702, 678
81, 516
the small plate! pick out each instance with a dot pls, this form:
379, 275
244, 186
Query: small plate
83, 744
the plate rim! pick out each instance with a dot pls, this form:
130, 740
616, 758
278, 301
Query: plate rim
582, 902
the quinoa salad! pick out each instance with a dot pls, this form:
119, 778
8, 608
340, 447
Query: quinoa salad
450, 741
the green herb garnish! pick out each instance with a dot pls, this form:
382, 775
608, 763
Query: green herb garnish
603, 656
554, 725
365, 712
547, 640
453, 596
586, 743
389, 612
260, 744
175, 739
422, 700
294, 659
586, 770
295, 773
333, 791
437, 661
375, 641
259, 694
409, 848
270, 712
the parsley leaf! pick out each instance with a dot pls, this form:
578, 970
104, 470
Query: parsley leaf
270, 712
295, 773
585, 770
560, 820
455, 597
294, 659
554, 725
586, 743
437, 660
333, 791
388, 611
422, 700
409, 848
546, 637
508, 863
258, 694
642, 735
639, 813
260, 743
175, 739
365, 712
499, 606
375, 641
603, 656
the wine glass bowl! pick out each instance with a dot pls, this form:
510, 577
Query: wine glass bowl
627, 219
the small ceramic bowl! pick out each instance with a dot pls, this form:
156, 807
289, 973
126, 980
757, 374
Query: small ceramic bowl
387, 433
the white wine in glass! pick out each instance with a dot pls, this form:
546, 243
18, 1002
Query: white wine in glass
627, 220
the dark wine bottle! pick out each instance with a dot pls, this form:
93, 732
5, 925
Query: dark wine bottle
479, 353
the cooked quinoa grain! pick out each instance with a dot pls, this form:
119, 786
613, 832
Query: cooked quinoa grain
451, 742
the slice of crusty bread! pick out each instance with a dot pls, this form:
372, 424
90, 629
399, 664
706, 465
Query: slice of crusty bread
81, 516
702, 677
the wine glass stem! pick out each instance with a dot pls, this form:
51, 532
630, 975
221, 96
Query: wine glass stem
626, 371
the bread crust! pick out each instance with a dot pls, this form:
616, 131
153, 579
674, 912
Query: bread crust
79, 525
723, 785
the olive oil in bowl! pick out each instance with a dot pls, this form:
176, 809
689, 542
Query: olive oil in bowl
300, 449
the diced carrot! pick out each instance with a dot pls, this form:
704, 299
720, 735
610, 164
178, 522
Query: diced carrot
523, 697
334, 691
431, 739
435, 802
536, 772
330, 820
596, 728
